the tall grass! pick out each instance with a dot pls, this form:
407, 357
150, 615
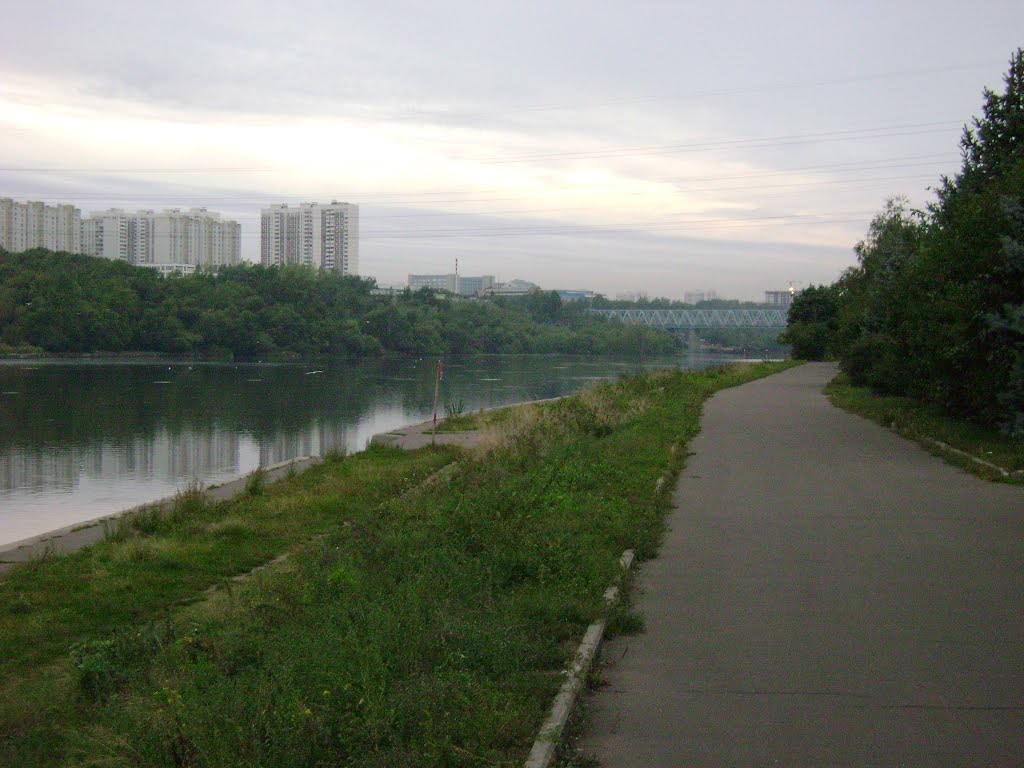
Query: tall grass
423, 623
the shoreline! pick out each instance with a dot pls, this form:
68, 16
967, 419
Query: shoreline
69, 538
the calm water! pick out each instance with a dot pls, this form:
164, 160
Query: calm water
82, 439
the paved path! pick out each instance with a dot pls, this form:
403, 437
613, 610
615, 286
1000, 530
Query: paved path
421, 435
828, 595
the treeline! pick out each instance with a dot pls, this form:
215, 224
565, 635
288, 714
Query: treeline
935, 307
63, 303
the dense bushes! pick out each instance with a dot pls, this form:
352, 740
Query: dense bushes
64, 303
935, 307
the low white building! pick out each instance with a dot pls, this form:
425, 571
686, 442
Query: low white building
37, 225
512, 288
696, 297
461, 285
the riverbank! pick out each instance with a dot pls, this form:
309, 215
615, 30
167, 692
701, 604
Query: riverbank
86, 439
427, 604
74, 537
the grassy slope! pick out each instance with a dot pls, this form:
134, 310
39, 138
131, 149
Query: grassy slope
419, 623
925, 423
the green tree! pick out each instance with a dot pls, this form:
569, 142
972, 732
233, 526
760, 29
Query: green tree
972, 269
812, 323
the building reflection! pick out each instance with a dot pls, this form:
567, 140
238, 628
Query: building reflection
38, 470
176, 457
323, 437
164, 456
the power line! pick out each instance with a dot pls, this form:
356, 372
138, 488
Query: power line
806, 183
14, 169
630, 226
684, 96
852, 134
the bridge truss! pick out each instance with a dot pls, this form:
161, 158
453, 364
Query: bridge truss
671, 319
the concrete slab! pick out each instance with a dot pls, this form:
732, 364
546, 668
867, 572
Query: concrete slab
421, 435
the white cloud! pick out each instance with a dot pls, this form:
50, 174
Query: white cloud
647, 147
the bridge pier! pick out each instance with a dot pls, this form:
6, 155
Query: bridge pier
693, 342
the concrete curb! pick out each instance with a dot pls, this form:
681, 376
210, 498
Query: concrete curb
551, 731
975, 459
940, 445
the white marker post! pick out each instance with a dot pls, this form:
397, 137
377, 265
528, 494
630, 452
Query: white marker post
437, 392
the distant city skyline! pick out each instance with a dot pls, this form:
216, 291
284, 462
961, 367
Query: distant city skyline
171, 240
655, 148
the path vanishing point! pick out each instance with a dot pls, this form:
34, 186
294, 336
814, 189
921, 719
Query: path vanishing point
828, 594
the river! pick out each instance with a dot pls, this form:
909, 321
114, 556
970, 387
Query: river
82, 439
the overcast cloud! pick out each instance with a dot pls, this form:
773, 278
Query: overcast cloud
653, 147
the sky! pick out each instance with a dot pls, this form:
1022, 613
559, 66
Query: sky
644, 148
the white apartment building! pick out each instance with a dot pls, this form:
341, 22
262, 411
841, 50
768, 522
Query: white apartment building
106, 235
313, 234
36, 225
172, 241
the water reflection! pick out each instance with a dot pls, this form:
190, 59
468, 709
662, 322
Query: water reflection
82, 439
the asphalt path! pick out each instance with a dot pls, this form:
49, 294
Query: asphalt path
828, 594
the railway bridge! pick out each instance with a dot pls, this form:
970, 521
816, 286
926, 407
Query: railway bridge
695, 319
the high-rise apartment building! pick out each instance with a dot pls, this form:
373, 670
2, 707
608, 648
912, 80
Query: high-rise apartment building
106, 235
37, 225
171, 240
321, 236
